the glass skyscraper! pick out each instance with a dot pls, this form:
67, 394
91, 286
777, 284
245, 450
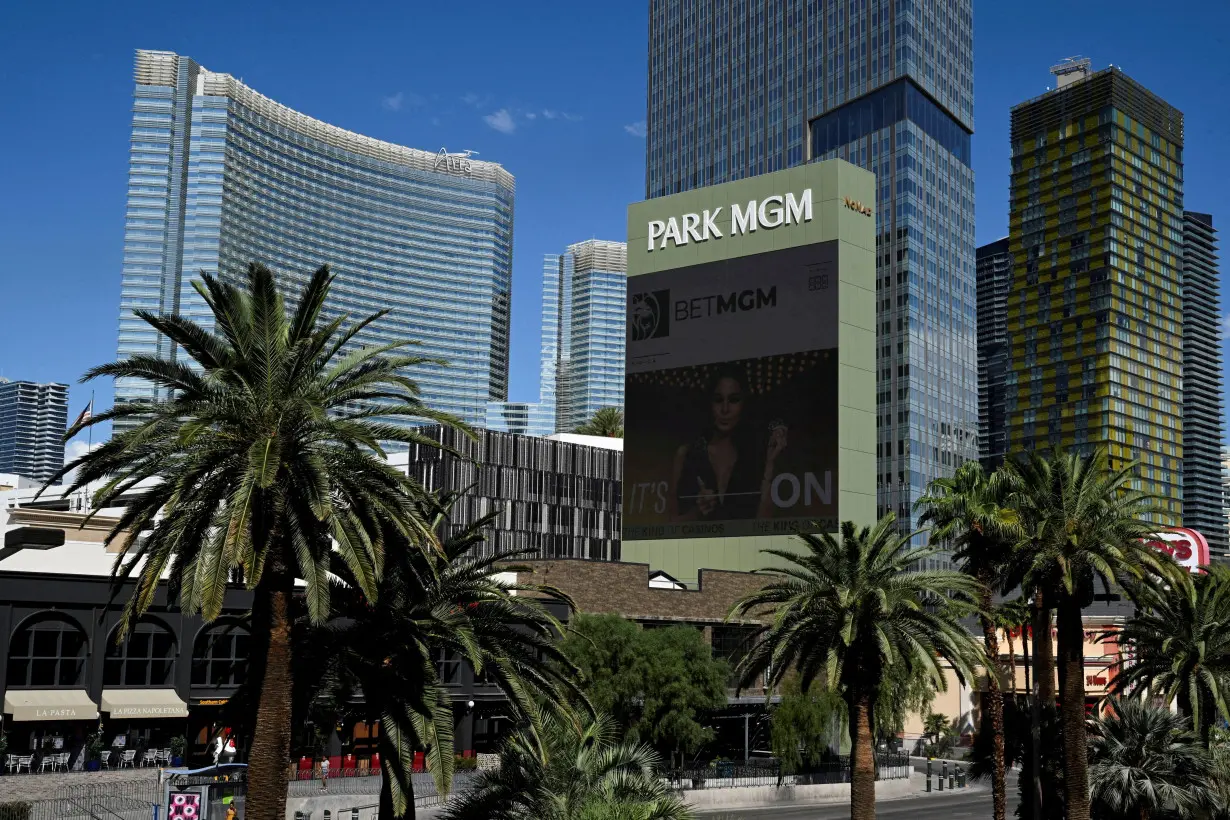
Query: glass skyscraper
1204, 498
584, 293
1095, 313
744, 87
33, 418
221, 176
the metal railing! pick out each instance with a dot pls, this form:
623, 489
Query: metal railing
425, 794
71, 809
768, 773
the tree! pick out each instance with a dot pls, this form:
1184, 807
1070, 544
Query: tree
608, 422
903, 692
656, 683
1084, 524
804, 725
574, 773
265, 457
1011, 616
844, 611
1145, 762
432, 605
971, 511
937, 727
1179, 642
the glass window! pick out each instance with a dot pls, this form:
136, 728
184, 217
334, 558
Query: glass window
898, 101
220, 657
50, 651
146, 658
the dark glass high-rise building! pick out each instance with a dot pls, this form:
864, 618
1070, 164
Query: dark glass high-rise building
1095, 313
33, 418
994, 282
1204, 502
744, 87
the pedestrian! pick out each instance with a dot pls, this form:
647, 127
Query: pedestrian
218, 744
230, 750
324, 774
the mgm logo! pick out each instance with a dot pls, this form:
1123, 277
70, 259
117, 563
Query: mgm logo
649, 315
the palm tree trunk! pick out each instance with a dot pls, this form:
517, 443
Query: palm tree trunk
995, 703
1011, 663
1072, 709
1044, 652
1041, 629
862, 759
271, 623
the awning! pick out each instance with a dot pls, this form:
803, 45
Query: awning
143, 703
49, 704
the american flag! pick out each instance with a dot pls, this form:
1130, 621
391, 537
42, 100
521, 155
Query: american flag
85, 414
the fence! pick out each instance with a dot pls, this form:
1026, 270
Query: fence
730, 775
425, 794
77, 809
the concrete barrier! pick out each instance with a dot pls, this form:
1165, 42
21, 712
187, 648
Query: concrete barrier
748, 797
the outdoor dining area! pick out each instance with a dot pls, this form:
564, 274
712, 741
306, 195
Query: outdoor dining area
41, 763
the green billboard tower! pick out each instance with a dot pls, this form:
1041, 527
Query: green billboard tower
750, 386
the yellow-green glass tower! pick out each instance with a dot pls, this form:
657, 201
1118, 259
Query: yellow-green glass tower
1095, 321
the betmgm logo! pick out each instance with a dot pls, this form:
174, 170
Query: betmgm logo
649, 315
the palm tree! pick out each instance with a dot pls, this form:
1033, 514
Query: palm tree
845, 611
1145, 762
970, 510
608, 422
1179, 641
452, 604
1084, 524
571, 773
1010, 616
265, 456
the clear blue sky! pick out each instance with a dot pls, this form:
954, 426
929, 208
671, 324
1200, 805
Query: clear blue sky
478, 75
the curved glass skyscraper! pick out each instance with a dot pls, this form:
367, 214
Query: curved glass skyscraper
221, 176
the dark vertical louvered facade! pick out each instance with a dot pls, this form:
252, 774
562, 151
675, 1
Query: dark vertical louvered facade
1204, 503
556, 499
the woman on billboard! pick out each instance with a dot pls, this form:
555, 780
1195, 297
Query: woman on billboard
723, 474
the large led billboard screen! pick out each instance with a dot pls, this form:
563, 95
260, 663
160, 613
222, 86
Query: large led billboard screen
731, 397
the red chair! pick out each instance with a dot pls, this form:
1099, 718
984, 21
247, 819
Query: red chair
305, 768
376, 762
335, 765
419, 761
349, 766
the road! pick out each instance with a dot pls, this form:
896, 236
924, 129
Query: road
974, 803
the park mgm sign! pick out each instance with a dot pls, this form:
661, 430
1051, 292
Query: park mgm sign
750, 382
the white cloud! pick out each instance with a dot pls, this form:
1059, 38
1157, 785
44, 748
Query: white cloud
475, 100
501, 121
1225, 326
74, 450
572, 117
637, 129
549, 114
531, 116
395, 102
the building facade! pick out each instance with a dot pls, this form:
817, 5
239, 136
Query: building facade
582, 342
1204, 499
556, 498
1095, 314
33, 418
741, 89
994, 281
221, 176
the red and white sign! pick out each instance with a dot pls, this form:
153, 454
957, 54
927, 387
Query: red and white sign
1185, 546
